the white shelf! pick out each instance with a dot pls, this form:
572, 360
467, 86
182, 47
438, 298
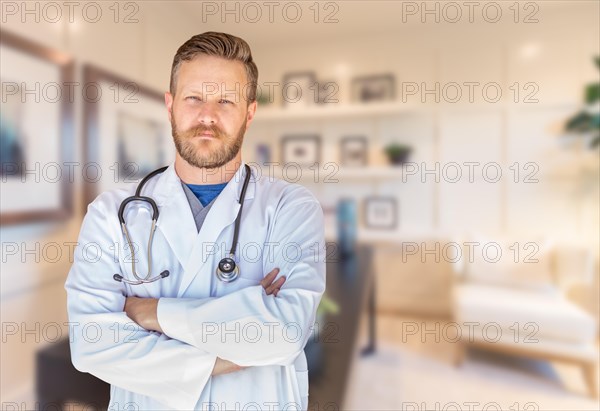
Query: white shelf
379, 172
366, 235
375, 109
339, 110
331, 175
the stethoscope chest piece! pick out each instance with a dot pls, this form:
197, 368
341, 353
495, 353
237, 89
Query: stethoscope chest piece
227, 270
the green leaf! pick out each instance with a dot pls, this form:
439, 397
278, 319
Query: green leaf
581, 122
592, 93
327, 305
396, 149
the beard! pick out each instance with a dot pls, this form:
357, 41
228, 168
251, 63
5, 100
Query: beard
199, 153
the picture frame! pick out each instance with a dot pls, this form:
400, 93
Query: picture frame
36, 136
381, 212
127, 133
354, 151
379, 87
301, 149
300, 89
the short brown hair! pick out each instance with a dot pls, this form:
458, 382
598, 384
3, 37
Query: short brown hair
223, 45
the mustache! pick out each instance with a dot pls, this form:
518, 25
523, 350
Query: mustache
201, 128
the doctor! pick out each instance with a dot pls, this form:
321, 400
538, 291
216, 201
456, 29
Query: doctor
190, 340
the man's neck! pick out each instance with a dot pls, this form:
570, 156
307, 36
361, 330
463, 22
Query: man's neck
190, 174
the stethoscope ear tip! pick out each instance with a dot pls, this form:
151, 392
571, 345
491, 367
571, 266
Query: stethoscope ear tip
164, 274
118, 277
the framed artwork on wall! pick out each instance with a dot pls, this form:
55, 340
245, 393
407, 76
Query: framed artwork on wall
353, 151
301, 149
300, 89
380, 87
127, 132
381, 212
36, 132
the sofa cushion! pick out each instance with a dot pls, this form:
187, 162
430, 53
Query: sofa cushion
573, 264
525, 265
538, 315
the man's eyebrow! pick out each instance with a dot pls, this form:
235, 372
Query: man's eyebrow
224, 91
192, 90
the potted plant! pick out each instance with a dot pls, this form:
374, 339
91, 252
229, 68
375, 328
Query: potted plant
397, 153
586, 122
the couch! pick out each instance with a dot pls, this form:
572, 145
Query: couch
518, 303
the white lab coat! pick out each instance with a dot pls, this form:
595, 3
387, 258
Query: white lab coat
202, 317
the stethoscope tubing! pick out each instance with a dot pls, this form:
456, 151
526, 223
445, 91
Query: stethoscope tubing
228, 275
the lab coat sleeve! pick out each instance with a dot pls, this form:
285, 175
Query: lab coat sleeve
106, 343
249, 327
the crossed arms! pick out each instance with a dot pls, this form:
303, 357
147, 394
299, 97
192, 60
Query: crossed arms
144, 311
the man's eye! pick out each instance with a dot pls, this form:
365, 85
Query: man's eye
193, 98
225, 101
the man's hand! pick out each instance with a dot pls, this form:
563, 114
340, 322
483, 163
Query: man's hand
270, 286
144, 312
225, 367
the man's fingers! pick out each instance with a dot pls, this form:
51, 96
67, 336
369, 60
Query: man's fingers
270, 286
276, 285
266, 281
269, 278
224, 367
274, 292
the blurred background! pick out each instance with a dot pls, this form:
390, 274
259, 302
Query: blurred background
453, 147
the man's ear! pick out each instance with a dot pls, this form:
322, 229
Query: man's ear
250, 113
169, 104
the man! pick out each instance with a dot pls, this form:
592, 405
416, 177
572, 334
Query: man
189, 340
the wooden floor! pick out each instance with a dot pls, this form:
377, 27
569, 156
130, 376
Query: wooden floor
415, 368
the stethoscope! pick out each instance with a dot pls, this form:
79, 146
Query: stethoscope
227, 270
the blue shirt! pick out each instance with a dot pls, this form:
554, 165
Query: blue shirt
206, 192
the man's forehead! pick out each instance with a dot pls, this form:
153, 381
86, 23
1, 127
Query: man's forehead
212, 86
211, 68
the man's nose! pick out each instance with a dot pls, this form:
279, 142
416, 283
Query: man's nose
207, 114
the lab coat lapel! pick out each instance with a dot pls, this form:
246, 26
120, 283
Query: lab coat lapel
222, 214
175, 221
